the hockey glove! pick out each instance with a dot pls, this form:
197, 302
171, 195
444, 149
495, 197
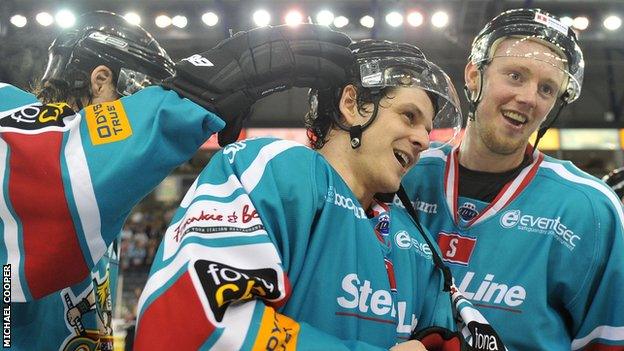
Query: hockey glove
439, 339
229, 78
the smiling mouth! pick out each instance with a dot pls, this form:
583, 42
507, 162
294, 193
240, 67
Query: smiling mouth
515, 118
403, 158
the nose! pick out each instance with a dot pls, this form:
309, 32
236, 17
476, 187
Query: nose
419, 138
527, 95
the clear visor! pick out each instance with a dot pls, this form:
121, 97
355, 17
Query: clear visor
419, 73
552, 63
55, 67
129, 81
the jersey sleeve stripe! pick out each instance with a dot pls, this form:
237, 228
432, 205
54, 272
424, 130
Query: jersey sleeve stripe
237, 320
167, 307
214, 190
252, 175
564, 173
2, 85
258, 255
33, 187
604, 332
84, 195
434, 154
11, 231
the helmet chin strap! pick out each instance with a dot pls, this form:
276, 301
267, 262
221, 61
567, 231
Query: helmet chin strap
355, 132
472, 103
547, 124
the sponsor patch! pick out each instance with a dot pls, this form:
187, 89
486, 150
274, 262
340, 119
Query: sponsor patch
277, 332
107, 123
456, 248
216, 219
37, 116
484, 337
403, 240
551, 226
225, 284
551, 22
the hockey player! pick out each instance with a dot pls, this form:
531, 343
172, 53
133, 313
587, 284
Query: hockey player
533, 241
615, 179
277, 246
70, 178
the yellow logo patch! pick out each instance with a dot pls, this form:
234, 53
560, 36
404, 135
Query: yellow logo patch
277, 332
107, 123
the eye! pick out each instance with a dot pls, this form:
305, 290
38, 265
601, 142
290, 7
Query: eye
515, 76
410, 116
547, 90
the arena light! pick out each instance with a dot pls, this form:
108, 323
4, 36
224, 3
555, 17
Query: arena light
65, 19
261, 18
440, 19
367, 21
162, 21
415, 19
581, 22
567, 20
18, 21
612, 22
179, 21
340, 21
293, 18
210, 19
394, 19
325, 17
133, 18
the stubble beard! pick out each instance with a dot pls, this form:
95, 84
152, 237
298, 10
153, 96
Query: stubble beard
497, 143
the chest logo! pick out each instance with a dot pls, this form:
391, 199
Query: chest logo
456, 248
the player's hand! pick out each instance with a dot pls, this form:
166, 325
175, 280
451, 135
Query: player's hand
411, 345
229, 78
72, 315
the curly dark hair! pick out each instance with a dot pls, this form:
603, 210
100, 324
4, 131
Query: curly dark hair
324, 113
324, 108
54, 91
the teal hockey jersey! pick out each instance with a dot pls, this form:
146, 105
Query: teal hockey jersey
69, 181
543, 262
270, 249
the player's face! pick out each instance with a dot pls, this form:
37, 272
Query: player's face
394, 141
518, 93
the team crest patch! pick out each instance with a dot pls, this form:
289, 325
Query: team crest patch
467, 211
107, 123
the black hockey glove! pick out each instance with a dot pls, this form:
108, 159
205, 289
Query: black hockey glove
482, 338
229, 78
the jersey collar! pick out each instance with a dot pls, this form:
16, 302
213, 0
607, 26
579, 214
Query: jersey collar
507, 194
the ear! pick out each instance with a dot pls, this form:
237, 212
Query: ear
102, 86
348, 104
471, 77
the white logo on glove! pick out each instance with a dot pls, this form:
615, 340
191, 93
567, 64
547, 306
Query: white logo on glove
199, 60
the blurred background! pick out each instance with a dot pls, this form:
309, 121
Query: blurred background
590, 132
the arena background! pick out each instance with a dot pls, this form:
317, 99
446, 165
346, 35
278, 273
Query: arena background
589, 132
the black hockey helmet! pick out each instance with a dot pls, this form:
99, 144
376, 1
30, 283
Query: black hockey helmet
615, 179
105, 38
381, 63
539, 25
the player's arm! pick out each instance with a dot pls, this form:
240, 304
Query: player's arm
597, 310
70, 179
220, 276
91, 168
